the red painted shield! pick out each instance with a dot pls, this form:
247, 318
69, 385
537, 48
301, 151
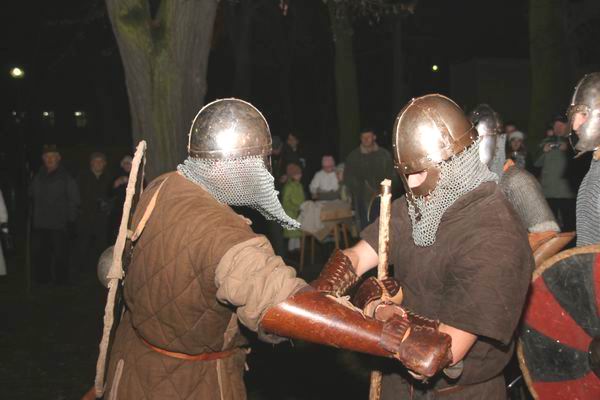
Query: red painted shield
561, 319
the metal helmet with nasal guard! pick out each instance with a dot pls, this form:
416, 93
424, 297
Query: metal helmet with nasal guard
586, 104
429, 130
229, 129
488, 125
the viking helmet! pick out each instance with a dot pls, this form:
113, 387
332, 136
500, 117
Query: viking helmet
488, 125
229, 148
433, 135
228, 129
586, 103
429, 130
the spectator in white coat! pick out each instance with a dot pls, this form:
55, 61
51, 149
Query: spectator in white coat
325, 184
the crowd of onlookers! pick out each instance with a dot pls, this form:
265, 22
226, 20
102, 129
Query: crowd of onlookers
73, 218
553, 163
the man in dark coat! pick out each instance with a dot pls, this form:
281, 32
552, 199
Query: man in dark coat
55, 201
365, 167
92, 223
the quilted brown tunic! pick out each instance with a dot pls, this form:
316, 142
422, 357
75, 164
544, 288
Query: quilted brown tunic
170, 293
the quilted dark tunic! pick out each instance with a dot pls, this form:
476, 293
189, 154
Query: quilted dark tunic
474, 277
170, 294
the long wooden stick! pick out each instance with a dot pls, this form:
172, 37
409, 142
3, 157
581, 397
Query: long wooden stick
385, 212
116, 273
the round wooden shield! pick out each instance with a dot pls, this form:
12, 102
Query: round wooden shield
557, 351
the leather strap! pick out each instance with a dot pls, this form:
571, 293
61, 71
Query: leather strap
147, 213
188, 357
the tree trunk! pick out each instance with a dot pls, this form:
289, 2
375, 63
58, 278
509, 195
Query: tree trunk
346, 85
551, 71
165, 61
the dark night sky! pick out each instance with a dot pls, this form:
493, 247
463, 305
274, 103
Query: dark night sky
72, 63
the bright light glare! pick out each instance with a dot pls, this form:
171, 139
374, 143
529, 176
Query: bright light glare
78, 113
434, 68
17, 73
45, 113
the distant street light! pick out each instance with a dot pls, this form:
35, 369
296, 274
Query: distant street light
17, 73
434, 68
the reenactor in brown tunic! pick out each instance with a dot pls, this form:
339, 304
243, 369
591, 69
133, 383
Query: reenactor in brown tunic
459, 252
198, 269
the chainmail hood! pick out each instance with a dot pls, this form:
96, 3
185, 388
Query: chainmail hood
241, 181
458, 176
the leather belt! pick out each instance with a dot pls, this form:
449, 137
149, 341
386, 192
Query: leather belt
189, 357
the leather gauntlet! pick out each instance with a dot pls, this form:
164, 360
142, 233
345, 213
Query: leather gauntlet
425, 350
312, 316
337, 276
370, 294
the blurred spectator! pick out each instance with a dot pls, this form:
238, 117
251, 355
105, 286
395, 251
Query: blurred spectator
325, 184
274, 230
510, 127
119, 186
516, 149
291, 154
365, 168
3, 227
292, 198
92, 224
553, 161
344, 194
276, 161
55, 202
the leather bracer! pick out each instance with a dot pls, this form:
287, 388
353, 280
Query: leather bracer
312, 316
337, 276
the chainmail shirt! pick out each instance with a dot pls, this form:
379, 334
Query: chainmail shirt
458, 176
497, 163
588, 207
239, 182
524, 193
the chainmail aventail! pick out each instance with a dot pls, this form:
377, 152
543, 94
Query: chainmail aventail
588, 207
239, 182
458, 176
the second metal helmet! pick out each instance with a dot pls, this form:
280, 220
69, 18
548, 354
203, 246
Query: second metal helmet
585, 107
489, 126
227, 129
429, 130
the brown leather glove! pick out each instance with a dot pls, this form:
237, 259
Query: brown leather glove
337, 277
370, 297
425, 350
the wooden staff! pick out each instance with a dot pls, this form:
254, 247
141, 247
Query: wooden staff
116, 272
385, 213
